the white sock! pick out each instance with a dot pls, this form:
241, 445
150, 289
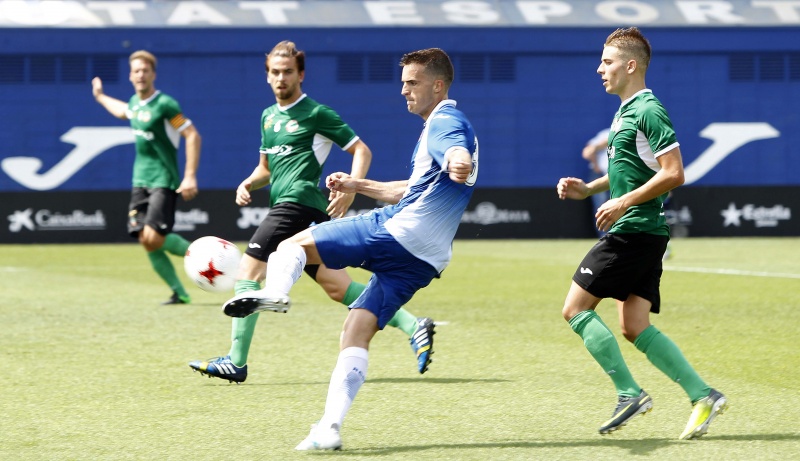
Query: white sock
347, 377
284, 267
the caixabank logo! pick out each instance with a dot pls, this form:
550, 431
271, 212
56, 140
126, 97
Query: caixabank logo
34, 220
757, 215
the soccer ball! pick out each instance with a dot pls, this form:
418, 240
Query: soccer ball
212, 263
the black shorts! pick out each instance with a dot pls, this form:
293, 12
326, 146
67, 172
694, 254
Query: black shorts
152, 207
283, 221
623, 264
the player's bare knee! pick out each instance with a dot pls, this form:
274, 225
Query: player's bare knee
568, 312
630, 336
150, 244
632, 330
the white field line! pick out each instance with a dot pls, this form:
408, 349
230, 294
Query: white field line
705, 270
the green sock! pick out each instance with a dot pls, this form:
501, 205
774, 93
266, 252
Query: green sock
175, 244
667, 357
242, 329
354, 290
404, 320
600, 342
164, 268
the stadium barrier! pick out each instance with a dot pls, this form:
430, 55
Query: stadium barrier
100, 217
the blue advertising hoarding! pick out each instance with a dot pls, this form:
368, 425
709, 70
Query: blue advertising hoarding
532, 94
531, 91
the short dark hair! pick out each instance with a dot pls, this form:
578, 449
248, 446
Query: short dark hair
288, 49
435, 61
632, 45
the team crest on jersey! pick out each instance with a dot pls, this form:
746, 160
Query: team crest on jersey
617, 125
269, 121
144, 116
292, 126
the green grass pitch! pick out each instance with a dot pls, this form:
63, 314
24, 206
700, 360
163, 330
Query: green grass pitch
95, 369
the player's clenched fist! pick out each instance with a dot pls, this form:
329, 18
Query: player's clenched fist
572, 188
341, 182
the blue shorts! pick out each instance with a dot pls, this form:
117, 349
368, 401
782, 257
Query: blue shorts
362, 241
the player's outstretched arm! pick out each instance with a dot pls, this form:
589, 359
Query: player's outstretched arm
339, 201
389, 192
114, 106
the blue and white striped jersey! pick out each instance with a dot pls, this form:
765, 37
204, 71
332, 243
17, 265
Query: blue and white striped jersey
425, 220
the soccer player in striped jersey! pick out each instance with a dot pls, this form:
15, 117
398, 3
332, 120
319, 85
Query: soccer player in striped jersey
644, 164
158, 125
406, 245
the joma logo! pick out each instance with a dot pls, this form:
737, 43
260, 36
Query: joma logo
89, 141
92, 141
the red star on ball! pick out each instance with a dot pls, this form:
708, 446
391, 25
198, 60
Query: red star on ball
211, 273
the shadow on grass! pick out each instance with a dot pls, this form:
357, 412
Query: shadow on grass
636, 447
419, 380
434, 380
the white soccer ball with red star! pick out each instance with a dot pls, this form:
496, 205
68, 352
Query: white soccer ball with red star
212, 263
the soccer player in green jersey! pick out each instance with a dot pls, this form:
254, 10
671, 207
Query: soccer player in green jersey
158, 124
297, 134
644, 164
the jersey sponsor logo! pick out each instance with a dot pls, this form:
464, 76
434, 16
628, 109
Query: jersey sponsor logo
586, 270
761, 216
147, 135
280, 151
46, 220
292, 126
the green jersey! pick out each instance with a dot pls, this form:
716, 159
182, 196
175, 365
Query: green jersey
640, 132
156, 123
297, 140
